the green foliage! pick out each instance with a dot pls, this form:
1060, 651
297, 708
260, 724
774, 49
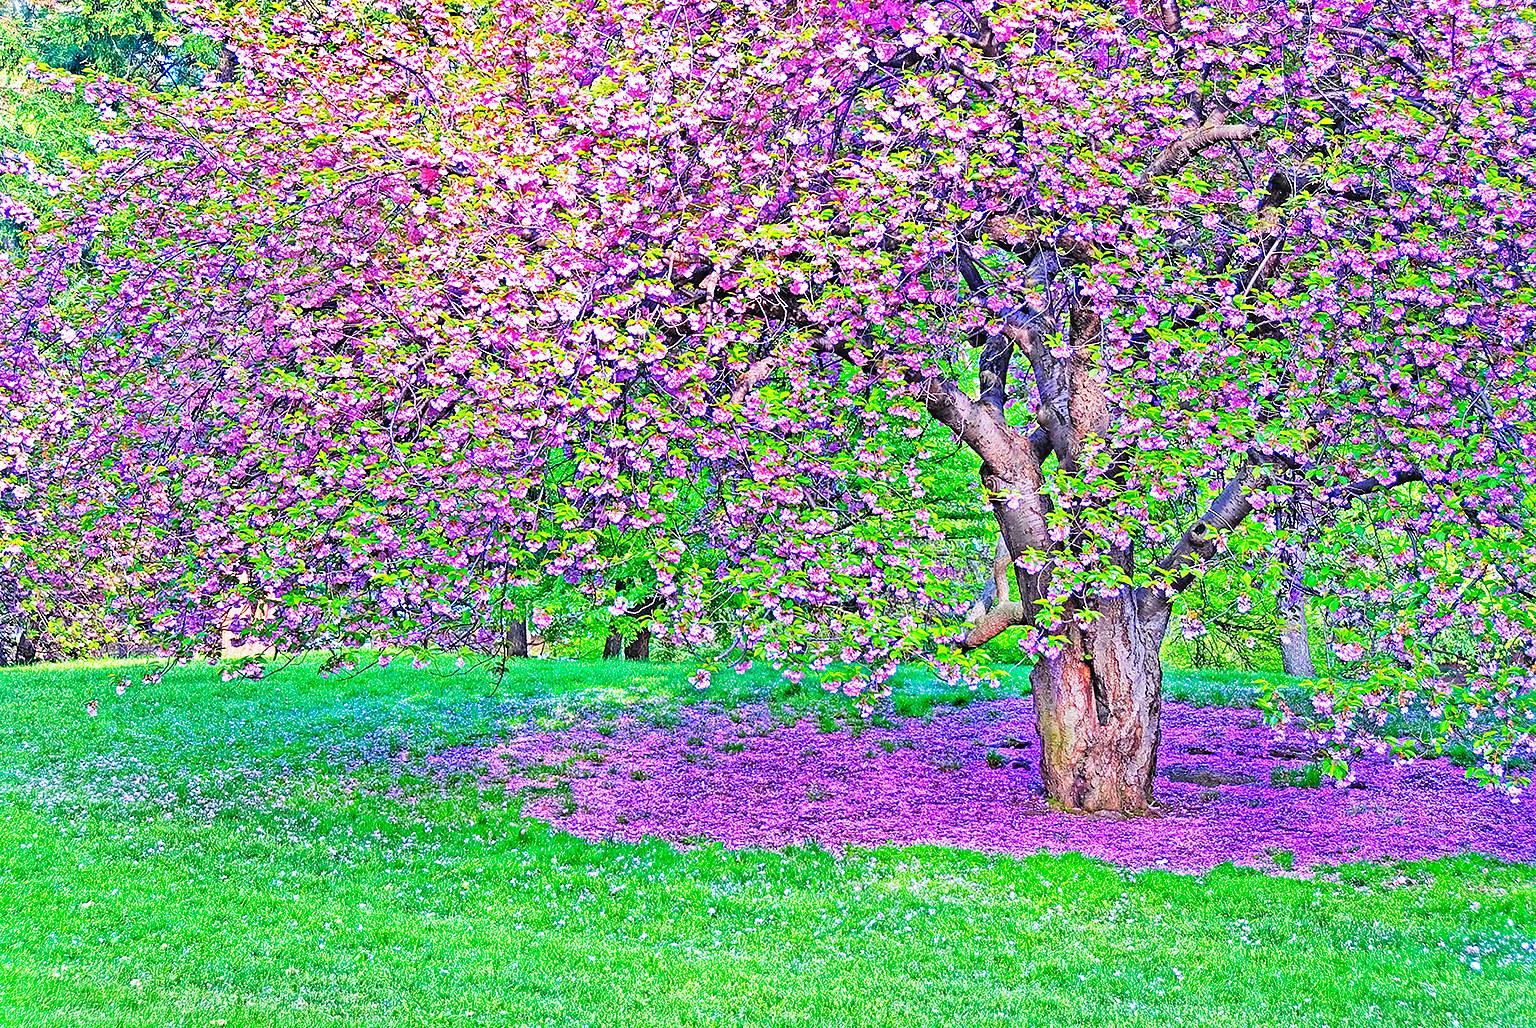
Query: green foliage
134, 40
1309, 776
49, 126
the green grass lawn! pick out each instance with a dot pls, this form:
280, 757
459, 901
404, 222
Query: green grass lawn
259, 853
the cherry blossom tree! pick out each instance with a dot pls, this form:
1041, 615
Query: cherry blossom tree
440, 314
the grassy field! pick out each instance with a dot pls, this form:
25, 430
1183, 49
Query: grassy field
271, 852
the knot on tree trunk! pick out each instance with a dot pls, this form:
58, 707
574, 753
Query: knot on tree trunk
1202, 539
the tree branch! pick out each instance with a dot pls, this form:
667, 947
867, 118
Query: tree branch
1215, 130
996, 355
1227, 511
756, 374
993, 624
1367, 486
1002, 570
1385, 46
1199, 541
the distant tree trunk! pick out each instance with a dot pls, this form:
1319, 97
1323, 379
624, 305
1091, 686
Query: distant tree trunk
1097, 705
639, 648
17, 645
517, 639
228, 66
636, 648
26, 647
1295, 642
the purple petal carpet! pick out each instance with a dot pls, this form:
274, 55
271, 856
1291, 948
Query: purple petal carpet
758, 782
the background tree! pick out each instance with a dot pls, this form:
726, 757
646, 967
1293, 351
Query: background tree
44, 129
428, 293
132, 40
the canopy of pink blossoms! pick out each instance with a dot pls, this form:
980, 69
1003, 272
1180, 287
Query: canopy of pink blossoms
440, 315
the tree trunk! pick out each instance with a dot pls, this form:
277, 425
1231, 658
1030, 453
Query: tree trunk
1295, 643
26, 647
10, 621
517, 639
1097, 704
639, 648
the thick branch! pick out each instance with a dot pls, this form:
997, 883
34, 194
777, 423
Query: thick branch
756, 374
1373, 484
1025, 242
996, 355
996, 590
1283, 185
993, 624
980, 427
1199, 541
1385, 46
1040, 443
1215, 130
1227, 511
1002, 570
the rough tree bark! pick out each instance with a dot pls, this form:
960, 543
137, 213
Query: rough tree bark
1098, 692
17, 645
1097, 706
639, 648
1295, 643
